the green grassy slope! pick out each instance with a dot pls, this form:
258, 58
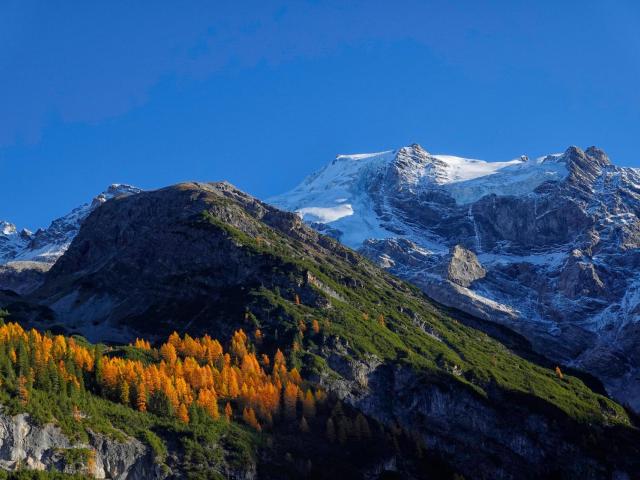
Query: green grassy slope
414, 331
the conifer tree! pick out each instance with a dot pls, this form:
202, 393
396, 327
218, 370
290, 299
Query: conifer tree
23, 392
249, 416
315, 326
309, 405
344, 429
290, 400
124, 393
141, 400
91, 462
228, 412
183, 413
361, 427
160, 404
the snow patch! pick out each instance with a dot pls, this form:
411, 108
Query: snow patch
459, 169
469, 180
7, 228
325, 214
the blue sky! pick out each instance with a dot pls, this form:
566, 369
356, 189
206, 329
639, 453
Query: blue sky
263, 93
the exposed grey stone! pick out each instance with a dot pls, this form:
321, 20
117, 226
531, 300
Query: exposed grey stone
463, 267
23, 443
22, 277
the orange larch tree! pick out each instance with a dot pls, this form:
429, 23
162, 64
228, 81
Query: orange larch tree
290, 400
309, 405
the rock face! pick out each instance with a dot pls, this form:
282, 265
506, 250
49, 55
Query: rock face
463, 267
530, 445
23, 443
22, 277
556, 241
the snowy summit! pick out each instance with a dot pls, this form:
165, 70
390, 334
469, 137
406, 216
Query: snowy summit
340, 195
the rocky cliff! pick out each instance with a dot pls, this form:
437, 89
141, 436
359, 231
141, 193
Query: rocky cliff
471, 430
25, 444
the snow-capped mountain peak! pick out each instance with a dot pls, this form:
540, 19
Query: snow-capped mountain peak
350, 194
7, 228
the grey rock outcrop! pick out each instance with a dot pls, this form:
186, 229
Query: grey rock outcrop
22, 277
23, 443
580, 278
463, 267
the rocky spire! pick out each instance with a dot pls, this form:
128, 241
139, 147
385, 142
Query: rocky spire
585, 166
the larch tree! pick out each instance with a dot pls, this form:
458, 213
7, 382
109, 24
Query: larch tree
183, 413
309, 405
168, 353
249, 416
124, 393
315, 326
290, 400
228, 412
141, 400
23, 391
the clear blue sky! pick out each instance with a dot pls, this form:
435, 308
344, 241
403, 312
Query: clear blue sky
263, 93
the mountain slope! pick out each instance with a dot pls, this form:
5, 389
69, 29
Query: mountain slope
553, 242
209, 258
